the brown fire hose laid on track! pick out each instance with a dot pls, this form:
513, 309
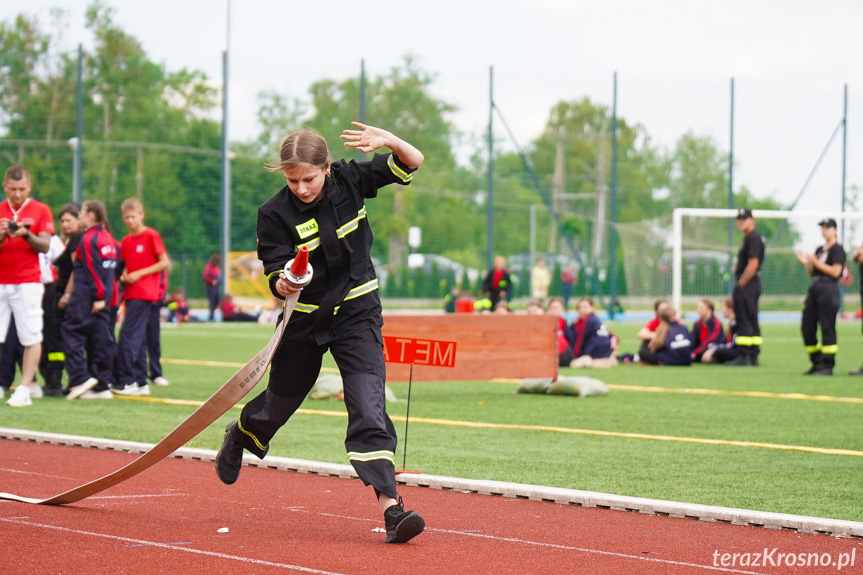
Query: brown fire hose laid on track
235, 389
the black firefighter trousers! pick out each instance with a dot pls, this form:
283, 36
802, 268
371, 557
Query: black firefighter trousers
371, 437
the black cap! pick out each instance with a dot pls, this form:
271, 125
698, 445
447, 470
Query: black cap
827, 223
744, 213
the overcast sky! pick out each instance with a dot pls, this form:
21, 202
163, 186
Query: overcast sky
674, 59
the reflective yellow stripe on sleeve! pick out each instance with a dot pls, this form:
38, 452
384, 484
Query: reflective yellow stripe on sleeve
399, 173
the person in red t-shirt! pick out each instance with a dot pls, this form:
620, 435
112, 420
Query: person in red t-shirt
144, 257
233, 312
646, 333
26, 227
212, 279
498, 282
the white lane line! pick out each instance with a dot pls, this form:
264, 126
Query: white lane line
4, 470
594, 551
469, 533
142, 496
174, 547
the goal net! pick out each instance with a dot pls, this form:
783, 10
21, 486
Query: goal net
705, 242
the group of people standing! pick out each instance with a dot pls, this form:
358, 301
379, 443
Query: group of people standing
741, 344
666, 341
65, 290
825, 266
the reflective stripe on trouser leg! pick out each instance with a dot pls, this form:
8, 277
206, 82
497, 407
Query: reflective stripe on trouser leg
828, 355
293, 372
371, 437
814, 352
262, 417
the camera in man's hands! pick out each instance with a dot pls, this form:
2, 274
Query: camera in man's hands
13, 226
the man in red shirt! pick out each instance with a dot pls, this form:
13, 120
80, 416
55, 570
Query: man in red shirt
26, 227
144, 257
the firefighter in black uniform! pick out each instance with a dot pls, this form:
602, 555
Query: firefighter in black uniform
747, 290
822, 300
322, 208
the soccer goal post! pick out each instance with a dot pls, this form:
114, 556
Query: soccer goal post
703, 248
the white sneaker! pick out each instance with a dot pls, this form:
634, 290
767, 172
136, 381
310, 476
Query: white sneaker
128, 389
143, 389
161, 381
79, 390
104, 394
20, 398
35, 391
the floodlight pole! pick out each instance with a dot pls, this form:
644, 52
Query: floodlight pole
490, 196
78, 165
844, 155
226, 162
612, 232
728, 271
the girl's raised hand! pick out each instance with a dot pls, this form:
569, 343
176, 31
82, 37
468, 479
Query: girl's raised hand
367, 139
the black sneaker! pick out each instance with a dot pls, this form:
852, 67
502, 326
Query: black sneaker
856, 372
229, 459
821, 370
402, 526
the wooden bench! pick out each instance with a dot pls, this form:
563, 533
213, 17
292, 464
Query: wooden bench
488, 345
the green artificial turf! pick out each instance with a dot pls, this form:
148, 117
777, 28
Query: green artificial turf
552, 440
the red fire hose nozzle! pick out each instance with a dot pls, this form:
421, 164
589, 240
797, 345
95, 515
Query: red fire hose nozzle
298, 271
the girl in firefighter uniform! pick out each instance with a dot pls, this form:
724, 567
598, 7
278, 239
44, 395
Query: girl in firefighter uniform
323, 208
822, 300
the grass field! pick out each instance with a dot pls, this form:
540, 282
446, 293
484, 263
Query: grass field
655, 435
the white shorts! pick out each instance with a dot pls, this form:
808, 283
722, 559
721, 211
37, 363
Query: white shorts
24, 301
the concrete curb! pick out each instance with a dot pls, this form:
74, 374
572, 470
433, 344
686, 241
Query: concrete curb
799, 523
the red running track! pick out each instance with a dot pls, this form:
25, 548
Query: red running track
167, 520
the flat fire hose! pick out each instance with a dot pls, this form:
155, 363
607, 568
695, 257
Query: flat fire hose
240, 384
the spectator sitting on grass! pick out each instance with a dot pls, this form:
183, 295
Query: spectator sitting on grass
233, 312
646, 333
727, 350
534, 307
706, 329
671, 343
591, 341
451, 298
178, 307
